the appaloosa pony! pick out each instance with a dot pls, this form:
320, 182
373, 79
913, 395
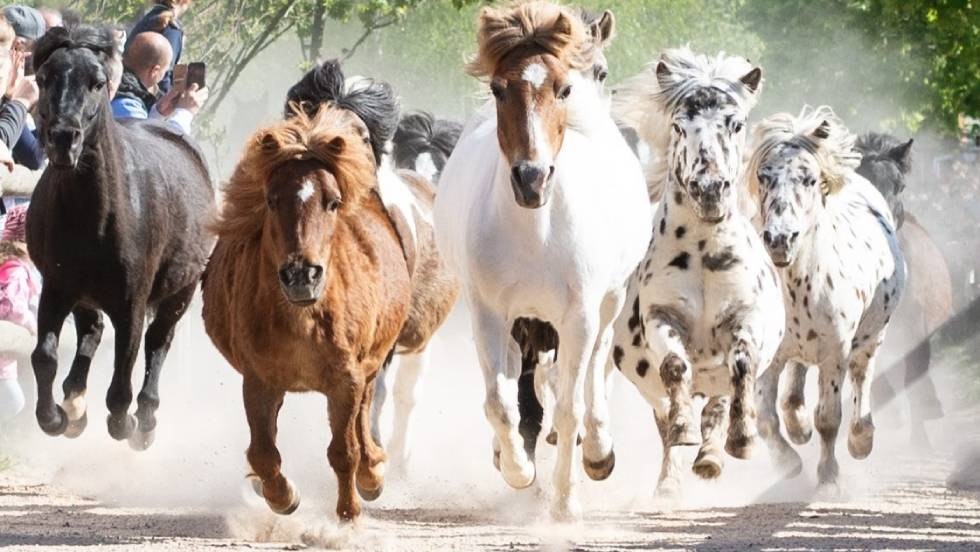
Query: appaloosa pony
522, 219
706, 314
928, 299
833, 238
118, 224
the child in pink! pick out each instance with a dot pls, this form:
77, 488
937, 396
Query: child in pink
19, 291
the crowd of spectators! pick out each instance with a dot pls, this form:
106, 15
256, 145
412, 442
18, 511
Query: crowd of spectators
144, 84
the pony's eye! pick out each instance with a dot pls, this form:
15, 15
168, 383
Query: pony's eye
272, 200
333, 205
564, 92
601, 75
737, 126
497, 90
809, 181
675, 127
99, 86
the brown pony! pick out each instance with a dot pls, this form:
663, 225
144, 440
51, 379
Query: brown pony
308, 289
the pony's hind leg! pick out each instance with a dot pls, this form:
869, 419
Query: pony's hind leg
669, 483
371, 468
714, 423
344, 451
262, 406
664, 341
129, 329
159, 336
500, 362
406, 394
786, 460
89, 327
52, 311
860, 439
796, 416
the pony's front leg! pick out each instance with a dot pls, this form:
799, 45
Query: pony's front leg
578, 336
828, 424
88, 327
129, 329
665, 343
52, 311
406, 391
262, 405
714, 422
796, 416
371, 469
159, 336
860, 439
786, 459
500, 362
598, 455
743, 362
344, 451
669, 487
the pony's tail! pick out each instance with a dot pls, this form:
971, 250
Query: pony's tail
421, 132
374, 102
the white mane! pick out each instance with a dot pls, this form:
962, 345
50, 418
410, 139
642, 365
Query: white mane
832, 146
647, 101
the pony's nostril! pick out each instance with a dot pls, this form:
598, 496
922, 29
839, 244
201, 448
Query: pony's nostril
726, 184
314, 272
515, 173
551, 171
767, 237
285, 277
793, 237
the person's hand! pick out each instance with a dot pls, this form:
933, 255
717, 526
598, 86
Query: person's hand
193, 98
168, 102
26, 91
16, 71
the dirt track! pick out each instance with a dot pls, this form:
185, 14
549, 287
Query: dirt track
185, 492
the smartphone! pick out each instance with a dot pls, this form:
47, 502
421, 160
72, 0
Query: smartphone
197, 74
180, 75
29, 64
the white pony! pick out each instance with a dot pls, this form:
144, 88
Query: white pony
543, 213
705, 311
833, 237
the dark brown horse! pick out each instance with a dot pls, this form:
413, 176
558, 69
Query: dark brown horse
118, 224
928, 299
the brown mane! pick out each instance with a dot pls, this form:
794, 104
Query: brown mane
333, 136
542, 26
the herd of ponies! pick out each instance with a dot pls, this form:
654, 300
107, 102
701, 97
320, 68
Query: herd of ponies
733, 251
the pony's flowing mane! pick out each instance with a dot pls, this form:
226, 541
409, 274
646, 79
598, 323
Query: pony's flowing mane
646, 101
817, 131
99, 40
880, 144
539, 26
332, 136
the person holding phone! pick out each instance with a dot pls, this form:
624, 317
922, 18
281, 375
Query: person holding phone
164, 18
138, 96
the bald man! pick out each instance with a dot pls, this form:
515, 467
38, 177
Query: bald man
145, 63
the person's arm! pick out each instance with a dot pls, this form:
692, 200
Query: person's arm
175, 37
19, 182
12, 117
28, 151
128, 108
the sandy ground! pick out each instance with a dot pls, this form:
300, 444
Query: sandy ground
186, 492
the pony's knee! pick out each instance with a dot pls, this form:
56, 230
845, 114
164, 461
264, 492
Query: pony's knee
343, 456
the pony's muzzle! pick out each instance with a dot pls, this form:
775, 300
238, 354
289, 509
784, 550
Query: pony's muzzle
780, 246
530, 183
301, 282
64, 146
708, 198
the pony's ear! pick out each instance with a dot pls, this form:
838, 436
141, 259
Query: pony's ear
336, 146
604, 28
563, 25
752, 79
902, 154
664, 76
269, 141
822, 131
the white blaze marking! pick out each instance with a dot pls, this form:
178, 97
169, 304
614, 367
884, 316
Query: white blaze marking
538, 137
535, 74
306, 192
425, 166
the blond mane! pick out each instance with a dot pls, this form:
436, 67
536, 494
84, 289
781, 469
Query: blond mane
333, 136
835, 153
541, 26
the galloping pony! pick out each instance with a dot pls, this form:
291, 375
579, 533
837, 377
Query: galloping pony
423, 143
309, 288
833, 237
408, 198
928, 300
523, 216
706, 315
118, 224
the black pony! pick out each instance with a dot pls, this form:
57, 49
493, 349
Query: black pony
118, 224
424, 143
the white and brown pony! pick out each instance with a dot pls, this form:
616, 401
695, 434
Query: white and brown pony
833, 237
524, 215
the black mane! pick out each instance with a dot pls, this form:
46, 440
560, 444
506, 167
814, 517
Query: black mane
99, 40
420, 132
374, 102
879, 144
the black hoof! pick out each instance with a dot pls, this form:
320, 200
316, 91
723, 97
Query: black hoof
121, 427
141, 440
599, 471
77, 427
370, 495
56, 425
293, 502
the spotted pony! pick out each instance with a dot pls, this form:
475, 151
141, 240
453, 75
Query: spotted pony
833, 237
704, 311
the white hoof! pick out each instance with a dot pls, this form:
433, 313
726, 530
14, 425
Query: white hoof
566, 510
518, 476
